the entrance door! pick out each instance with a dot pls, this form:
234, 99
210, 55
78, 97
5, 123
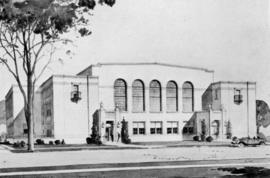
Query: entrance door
109, 131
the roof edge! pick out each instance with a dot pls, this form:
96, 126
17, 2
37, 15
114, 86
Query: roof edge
149, 63
235, 82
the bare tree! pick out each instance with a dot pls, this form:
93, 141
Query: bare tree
30, 27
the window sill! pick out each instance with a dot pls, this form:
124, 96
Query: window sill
188, 112
138, 112
172, 111
123, 111
138, 135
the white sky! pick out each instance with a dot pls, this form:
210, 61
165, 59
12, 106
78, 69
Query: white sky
231, 37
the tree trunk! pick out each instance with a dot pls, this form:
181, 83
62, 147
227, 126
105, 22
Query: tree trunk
29, 113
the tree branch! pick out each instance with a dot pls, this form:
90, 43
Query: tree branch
46, 65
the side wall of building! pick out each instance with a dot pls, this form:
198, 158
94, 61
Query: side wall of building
242, 115
73, 119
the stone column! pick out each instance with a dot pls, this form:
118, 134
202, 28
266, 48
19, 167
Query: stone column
116, 124
102, 123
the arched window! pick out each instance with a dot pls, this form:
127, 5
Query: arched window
138, 96
188, 97
172, 97
155, 96
120, 94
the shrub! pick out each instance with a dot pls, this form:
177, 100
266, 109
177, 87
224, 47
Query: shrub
22, 144
202, 137
17, 144
124, 133
40, 141
5, 142
229, 135
196, 138
128, 141
234, 138
63, 142
57, 142
50, 142
209, 139
95, 137
88, 140
262, 136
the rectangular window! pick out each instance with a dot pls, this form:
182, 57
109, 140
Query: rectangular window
135, 130
75, 93
172, 127
138, 128
49, 113
156, 127
188, 130
75, 87
238, 97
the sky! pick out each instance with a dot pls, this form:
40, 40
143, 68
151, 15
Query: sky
231, 37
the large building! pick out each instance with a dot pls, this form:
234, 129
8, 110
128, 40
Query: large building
160, 102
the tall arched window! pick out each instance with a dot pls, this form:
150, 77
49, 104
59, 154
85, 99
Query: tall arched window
172, 97
138, 96
155, 96
120, 94
188, 97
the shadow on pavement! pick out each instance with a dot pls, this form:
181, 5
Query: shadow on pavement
251, 172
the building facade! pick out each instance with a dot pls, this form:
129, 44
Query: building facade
160, 102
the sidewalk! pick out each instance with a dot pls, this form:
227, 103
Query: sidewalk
116, 156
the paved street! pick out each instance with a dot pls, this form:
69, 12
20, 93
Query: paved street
156, 162
214, 168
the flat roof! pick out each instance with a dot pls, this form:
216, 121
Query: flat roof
235, 82
64, 76
148, 63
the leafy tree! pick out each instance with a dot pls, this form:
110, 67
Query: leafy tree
29, 30
262, 114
